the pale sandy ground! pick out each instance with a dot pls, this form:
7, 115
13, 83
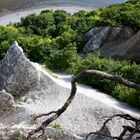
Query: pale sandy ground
15, 17
84, 115
65, 81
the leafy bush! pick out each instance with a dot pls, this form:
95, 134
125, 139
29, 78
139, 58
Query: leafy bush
7, 36
61, 59
127, 95
125, 14
122, 68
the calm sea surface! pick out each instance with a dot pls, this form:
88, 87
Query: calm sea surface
89, 3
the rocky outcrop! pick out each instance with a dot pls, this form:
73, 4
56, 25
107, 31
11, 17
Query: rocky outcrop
96, 36
118, 42
105, 131
130, 49
17, 74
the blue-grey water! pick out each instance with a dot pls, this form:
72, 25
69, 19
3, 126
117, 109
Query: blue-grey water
89, 3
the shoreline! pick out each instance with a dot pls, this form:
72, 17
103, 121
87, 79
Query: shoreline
15, 16
46, 5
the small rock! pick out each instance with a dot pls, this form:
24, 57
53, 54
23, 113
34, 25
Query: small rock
99, 137
6, 101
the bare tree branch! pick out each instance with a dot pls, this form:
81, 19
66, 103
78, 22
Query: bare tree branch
135, 130
132, 130
46, 114
124, 116
93, 73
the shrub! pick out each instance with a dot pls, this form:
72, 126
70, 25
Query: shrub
61, 59
122, 68
127, 95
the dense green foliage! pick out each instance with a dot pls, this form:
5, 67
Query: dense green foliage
127, 14
122, 68
55, 38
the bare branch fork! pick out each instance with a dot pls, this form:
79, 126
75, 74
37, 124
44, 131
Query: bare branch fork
132, 130
93, 73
